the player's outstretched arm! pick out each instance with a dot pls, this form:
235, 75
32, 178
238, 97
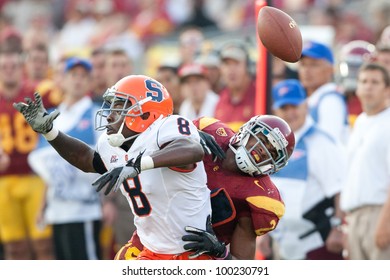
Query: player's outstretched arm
71, 149
182, 152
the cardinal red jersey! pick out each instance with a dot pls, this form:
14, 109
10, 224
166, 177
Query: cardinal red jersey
254, 197
17, 137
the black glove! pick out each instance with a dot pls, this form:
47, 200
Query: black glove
36, 115
210, 146
116, 176
205, 242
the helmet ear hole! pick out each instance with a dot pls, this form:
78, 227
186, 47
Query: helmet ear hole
145, 116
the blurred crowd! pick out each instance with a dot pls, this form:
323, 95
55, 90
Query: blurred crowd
202, 51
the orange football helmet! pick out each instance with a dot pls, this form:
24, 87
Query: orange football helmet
145, 100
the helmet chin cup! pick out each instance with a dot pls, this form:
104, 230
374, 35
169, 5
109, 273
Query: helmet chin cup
116, 140
244, 163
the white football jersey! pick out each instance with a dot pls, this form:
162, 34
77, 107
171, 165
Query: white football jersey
163, 200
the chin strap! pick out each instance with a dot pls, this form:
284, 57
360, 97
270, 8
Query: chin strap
117, 139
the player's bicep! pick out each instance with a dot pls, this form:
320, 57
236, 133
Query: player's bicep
176, 127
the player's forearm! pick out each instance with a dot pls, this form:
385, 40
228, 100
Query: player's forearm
243, 243
180, 152
74, 151
385, 213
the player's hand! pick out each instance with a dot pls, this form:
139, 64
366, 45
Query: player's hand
210, 146
115, 177
36, 115
205, 242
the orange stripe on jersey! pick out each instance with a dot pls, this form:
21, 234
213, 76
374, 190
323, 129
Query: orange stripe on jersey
268, 204
182, 170
206, 121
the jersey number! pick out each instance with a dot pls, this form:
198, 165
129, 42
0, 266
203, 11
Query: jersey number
183, 126
16, 134
140, 203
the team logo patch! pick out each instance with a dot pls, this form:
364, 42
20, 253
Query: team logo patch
114, 158
221, 132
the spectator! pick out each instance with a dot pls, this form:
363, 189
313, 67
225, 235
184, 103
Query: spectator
37, 63
152, 21
326, 104
78, 28
72, 206
167, 74
280, 71
200, 100
236, 106
382, 56
38, 74
99, 84
310, 184
21, 192
118, 65
11, 40
366, 194
190, 43
352, 56
198, 17
212, 62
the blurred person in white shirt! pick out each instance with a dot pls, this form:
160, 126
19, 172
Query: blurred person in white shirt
199, 99
365, 196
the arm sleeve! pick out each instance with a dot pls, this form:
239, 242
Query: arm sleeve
98, 164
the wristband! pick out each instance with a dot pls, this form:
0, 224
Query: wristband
52, 134
147, 163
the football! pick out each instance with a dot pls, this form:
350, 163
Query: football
279, 33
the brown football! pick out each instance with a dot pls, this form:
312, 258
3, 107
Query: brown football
279, 33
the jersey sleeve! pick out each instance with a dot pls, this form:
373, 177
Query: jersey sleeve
265, 220
175, 127
266, 206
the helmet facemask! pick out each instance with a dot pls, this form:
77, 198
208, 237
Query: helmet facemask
131, 107
248, 159
122, 105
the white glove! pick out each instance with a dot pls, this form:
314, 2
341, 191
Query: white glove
36, 115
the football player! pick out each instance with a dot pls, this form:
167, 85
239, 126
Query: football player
245, 202
153, 157
21, 191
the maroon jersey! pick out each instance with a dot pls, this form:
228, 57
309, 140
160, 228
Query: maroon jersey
17, 137
254, 197
236, 114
